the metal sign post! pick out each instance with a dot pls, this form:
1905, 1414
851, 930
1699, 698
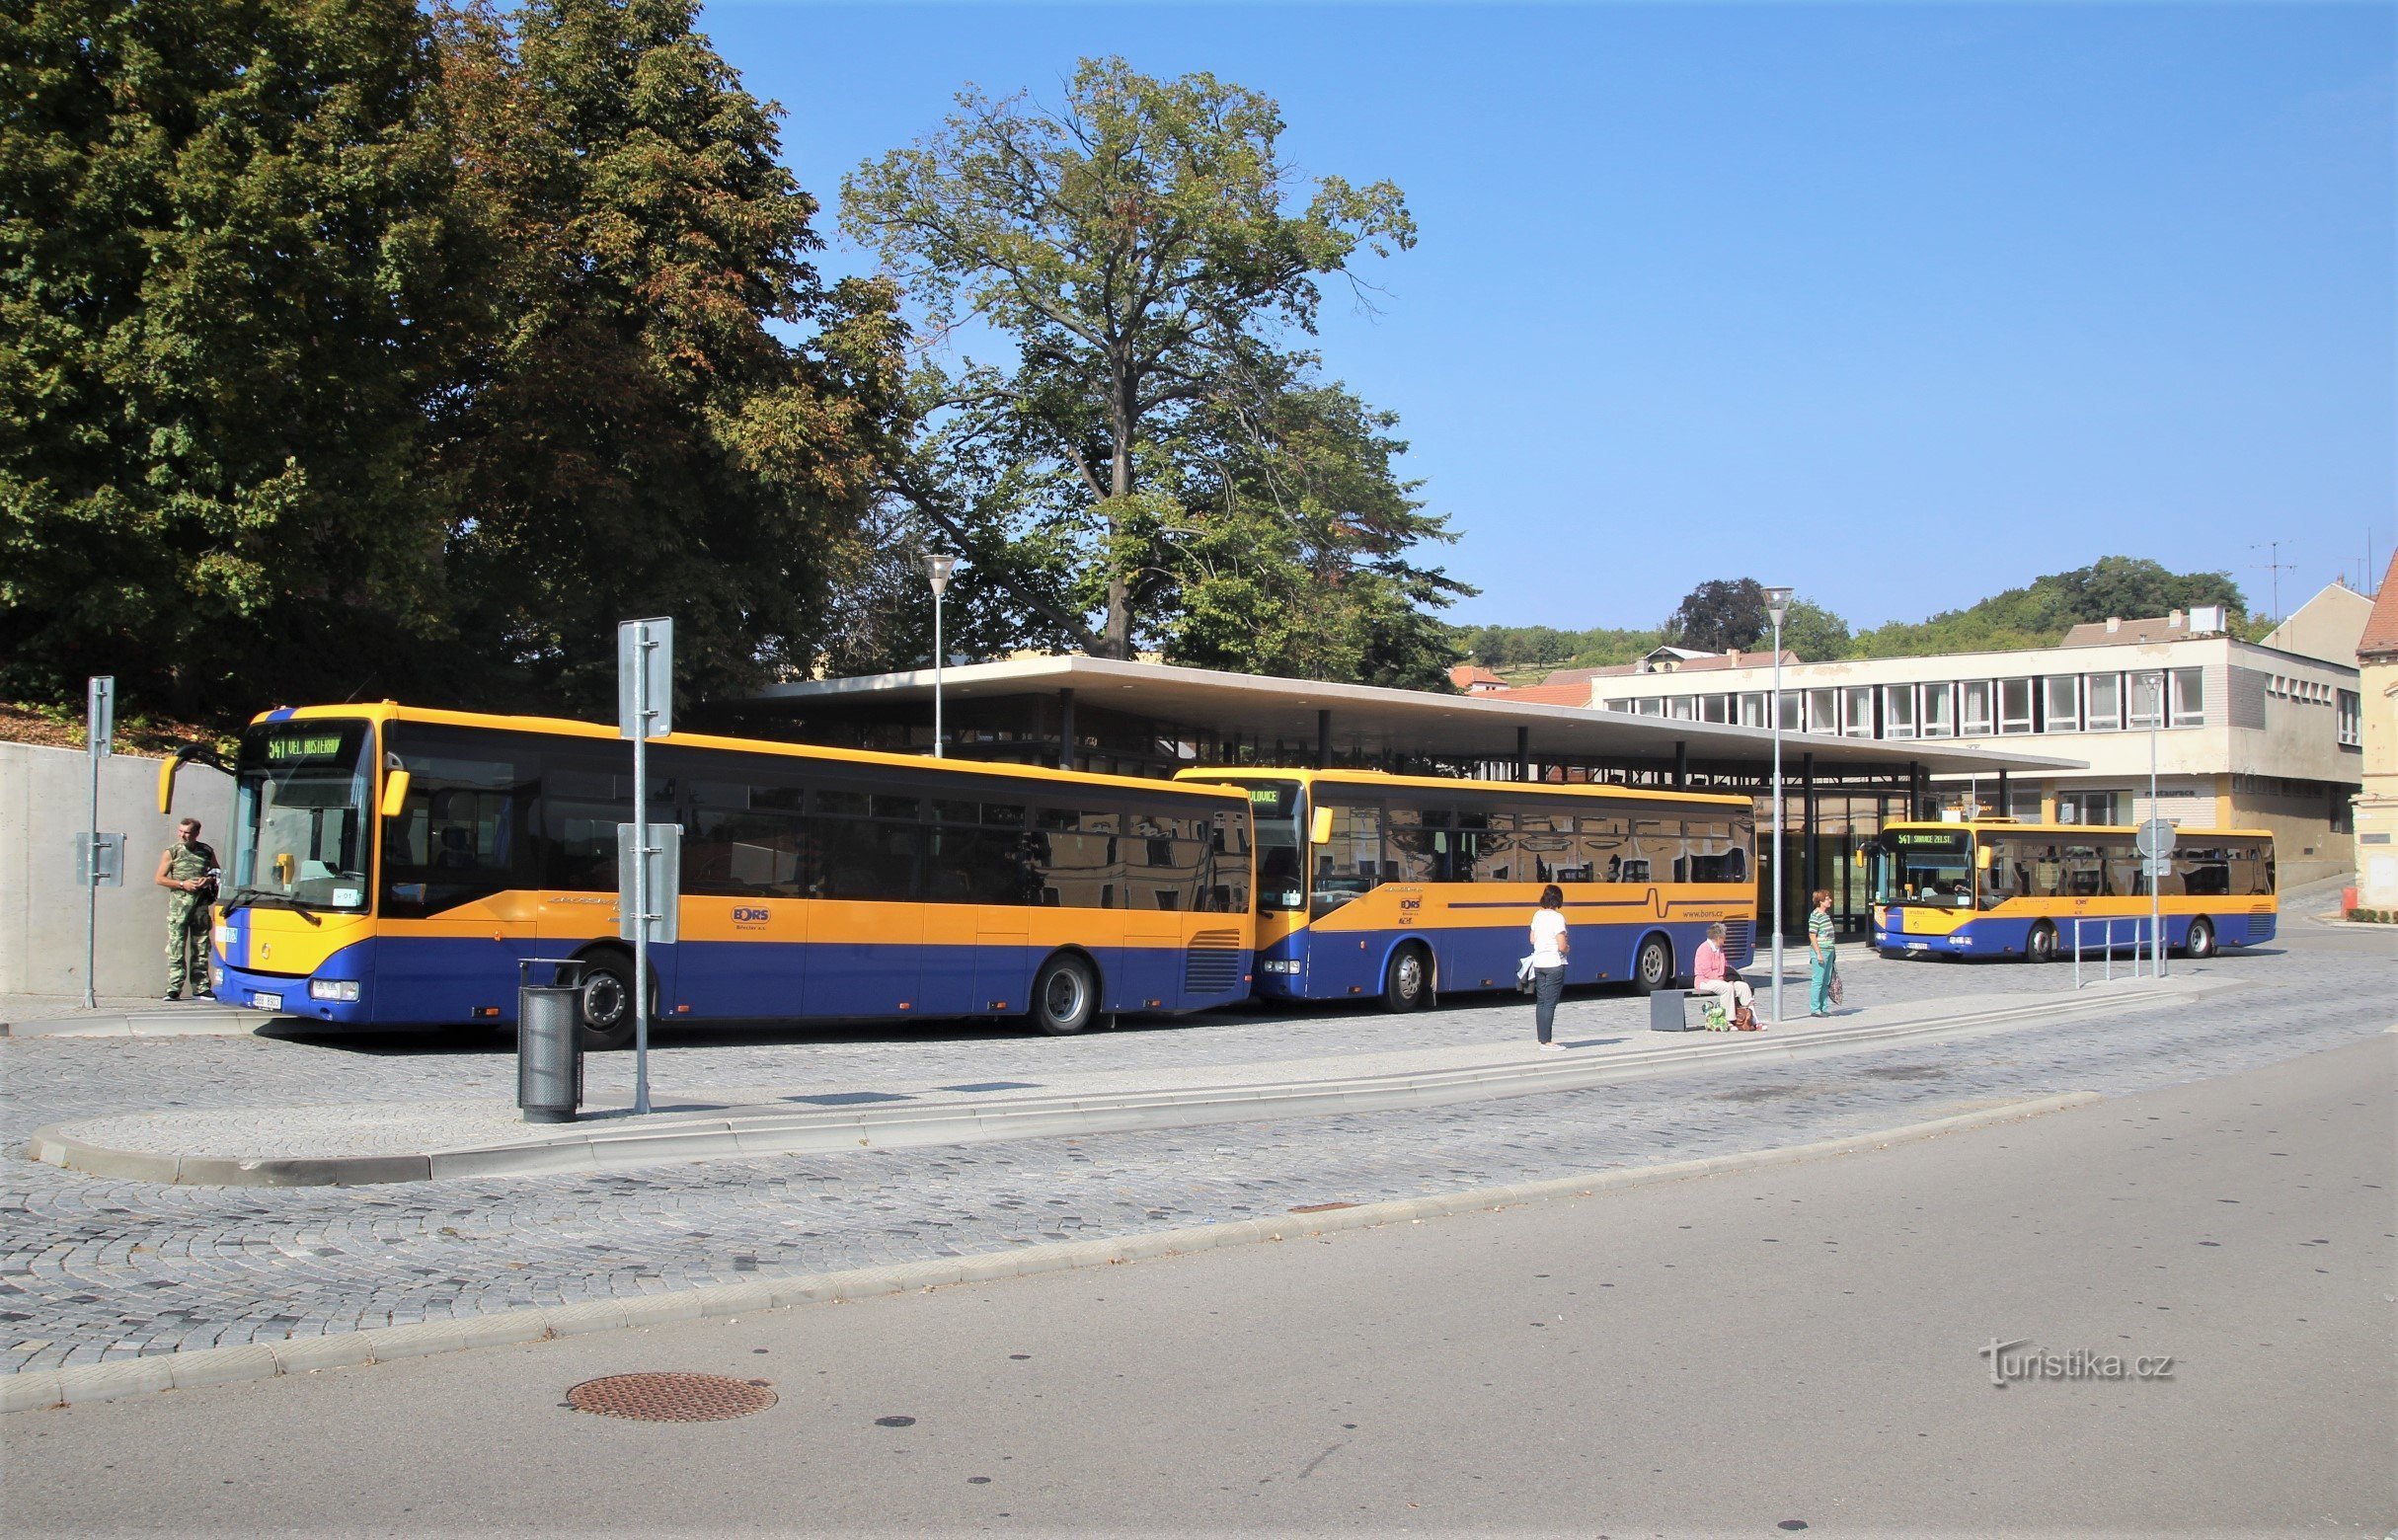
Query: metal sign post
2155, 842
645, 709
100, 728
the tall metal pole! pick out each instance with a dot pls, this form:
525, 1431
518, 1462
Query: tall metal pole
644, 713
2156, 925
100, 728
938, 661
1776, 611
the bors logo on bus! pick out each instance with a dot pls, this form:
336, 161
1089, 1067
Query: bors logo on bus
749, 916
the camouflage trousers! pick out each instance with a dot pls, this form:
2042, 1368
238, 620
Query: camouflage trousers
186, 942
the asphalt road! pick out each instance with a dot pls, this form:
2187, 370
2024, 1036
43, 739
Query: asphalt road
1800, 1345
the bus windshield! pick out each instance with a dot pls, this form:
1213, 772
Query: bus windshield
1931, 868
300, 815
1282, 875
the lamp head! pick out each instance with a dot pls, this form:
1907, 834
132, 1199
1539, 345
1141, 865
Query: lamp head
938, 565
1777, 603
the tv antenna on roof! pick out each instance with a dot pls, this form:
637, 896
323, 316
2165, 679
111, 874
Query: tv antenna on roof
2276, 567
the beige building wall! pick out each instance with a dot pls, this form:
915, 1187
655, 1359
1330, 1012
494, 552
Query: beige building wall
45, 797
2376, 868
2325, 627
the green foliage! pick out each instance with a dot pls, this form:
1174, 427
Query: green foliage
227, 304
1720, 616
2040, 614
1153, 456
1529, 648
637, 435
1813, 632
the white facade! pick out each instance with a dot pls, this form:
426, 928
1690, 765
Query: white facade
2247, 736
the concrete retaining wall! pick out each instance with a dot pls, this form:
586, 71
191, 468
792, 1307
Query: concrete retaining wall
44, 798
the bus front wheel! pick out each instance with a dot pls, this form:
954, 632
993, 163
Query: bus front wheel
1407, 983
2040, 945
1653, 966
1065, 996
604, 1002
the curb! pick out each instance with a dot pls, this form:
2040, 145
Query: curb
598, 1148
222, 1022
46, 1389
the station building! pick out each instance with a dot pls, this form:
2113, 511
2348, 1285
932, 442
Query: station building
2265, 734
1150, 719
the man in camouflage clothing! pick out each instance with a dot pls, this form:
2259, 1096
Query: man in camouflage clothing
187, 871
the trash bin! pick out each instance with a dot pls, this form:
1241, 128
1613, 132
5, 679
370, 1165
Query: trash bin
549, 1041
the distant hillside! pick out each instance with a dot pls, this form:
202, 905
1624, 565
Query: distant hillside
2040, 614
2036, 615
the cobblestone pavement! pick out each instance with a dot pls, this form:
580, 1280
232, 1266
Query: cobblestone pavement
93, 1269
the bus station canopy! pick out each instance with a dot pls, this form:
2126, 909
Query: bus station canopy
1205, 712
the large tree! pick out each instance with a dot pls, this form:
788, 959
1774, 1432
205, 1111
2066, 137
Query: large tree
1720, 615
228, 299
1154, 454
670, 412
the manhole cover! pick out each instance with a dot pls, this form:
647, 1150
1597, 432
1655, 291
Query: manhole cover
671, 1397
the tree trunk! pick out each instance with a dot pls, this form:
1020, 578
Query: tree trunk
1117, 635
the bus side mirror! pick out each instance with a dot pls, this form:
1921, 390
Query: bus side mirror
286, 868
1982, 857
1319, 827
1856, 858
395, 792
165, 784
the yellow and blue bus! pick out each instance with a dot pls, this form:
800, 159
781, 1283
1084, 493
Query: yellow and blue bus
1401, 885
1994, 888
391, 864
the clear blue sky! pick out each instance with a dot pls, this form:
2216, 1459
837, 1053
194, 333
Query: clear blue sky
1898, 304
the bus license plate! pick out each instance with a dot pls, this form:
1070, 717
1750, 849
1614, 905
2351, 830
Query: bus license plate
266, 1002
1919, 946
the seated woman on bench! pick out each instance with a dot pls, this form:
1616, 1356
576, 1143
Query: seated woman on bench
1710, 974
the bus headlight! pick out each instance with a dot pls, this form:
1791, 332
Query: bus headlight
1281, 966
332, 989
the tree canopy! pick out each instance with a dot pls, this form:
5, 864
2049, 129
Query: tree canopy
1154, 454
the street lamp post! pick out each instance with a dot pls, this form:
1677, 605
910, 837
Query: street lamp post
938, 565
2157, 931
1778, 605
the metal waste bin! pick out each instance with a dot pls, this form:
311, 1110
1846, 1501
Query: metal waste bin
549, 1041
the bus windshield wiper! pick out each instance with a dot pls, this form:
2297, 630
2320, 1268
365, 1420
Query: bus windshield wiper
250, 895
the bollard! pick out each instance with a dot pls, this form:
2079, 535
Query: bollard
549, 1041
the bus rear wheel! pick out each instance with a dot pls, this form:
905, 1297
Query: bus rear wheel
1065, 996
1407, 983
1653, 965
2201, 940
2040, 945
603, 1003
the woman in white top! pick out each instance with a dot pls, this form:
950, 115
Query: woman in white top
1550, 946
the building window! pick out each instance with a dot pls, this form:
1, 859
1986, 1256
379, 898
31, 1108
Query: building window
1792, 716
2061, 705
2187, 697
1619, 703
2014, 705
1680, 708
1714, 708
1898, 711
1939, 711
1857, 711
1974, 709
1819, 718
2102, 702
2147, 705
1752, 709
2085, 806
2023, 806
2351, 720
1650, 705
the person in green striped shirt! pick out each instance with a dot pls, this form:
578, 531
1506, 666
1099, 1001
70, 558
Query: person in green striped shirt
1823, 968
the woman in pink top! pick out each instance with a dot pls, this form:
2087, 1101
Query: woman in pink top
1710, 974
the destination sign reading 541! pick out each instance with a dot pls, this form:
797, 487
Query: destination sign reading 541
303, 745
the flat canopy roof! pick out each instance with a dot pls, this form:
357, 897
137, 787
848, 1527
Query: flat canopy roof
1458, 729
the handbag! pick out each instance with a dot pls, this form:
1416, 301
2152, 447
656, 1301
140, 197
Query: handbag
1524, 981
1835, 989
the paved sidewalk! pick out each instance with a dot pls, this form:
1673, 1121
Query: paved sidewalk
349, 1144
127, 1016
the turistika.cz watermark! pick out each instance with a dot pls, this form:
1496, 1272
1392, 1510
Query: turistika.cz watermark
2017, 1363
